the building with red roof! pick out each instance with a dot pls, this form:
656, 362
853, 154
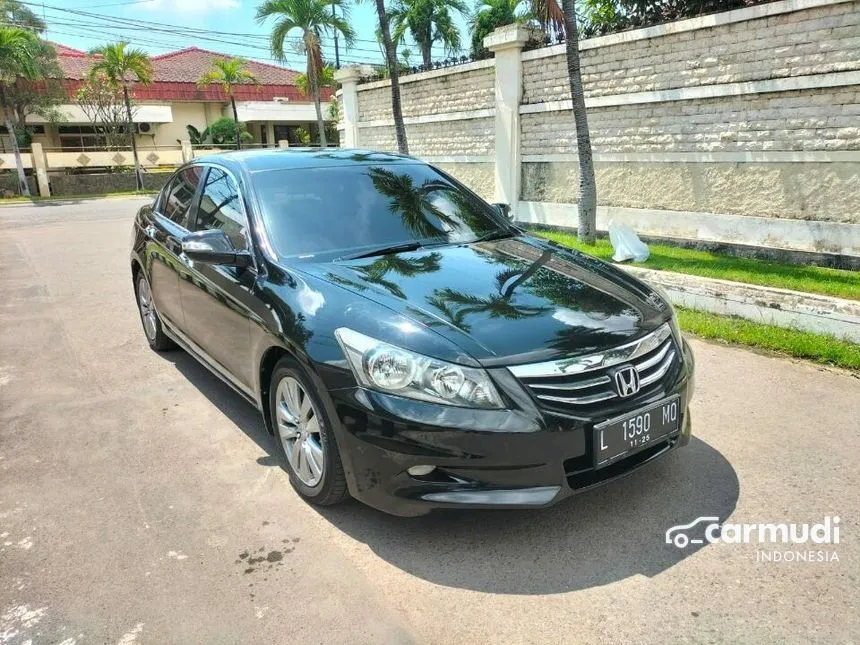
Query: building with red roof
273, 109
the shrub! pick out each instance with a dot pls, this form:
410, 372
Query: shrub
223, 131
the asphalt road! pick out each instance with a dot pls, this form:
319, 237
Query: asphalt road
140, 503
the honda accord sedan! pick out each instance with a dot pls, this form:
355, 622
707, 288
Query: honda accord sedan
407, 344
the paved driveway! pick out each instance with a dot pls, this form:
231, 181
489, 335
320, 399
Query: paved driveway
139, 502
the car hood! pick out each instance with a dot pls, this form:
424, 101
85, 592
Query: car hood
512, 300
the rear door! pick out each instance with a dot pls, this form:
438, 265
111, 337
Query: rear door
218, 301
165, 232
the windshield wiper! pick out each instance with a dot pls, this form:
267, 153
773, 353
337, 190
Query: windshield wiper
495, 235
384, 250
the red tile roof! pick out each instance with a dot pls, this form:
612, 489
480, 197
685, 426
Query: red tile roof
63, 50
187, 65
175, 77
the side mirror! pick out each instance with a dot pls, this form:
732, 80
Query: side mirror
505, 211
214, 247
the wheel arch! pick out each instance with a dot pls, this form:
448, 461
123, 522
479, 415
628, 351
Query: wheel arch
136, 268
268, 360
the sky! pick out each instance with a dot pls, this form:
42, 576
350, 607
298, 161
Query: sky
226, 26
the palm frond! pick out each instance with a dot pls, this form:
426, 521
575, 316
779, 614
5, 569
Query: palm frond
228, 72
548, 14
278, 37
18, 52
120, 65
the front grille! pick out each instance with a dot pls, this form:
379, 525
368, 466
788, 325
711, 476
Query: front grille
581, 383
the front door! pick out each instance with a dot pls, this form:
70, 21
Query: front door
217, 301
165, 231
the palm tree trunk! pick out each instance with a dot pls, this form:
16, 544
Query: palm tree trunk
19, 164
545, 257
138, 175
426, 54
236, 123
315, 89
585, 231
391, 62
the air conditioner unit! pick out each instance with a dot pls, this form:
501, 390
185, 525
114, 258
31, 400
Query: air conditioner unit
145, 128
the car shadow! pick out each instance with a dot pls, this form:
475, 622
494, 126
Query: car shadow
233, 406
592, 539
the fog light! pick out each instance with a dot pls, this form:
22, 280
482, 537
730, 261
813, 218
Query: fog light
420, 471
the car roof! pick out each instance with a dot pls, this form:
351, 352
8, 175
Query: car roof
285, 158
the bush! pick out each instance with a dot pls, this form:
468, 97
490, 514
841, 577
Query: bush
223, 131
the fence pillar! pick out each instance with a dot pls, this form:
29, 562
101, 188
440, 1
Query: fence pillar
187, 150
507, 43
348, 77
283, 143
40, 167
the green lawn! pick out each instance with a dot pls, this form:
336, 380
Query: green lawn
799, 344
812, 279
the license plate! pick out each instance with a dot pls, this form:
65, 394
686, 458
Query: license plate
635, 431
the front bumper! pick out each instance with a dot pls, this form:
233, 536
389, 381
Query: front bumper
517, 458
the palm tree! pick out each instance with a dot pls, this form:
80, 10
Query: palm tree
548, 15
375, 272
428, 22
585, 231
390, 52
229, 72
413, 203
326, 79
456, 306
516, 277
120, 67
312, 18
18, 50
489, 16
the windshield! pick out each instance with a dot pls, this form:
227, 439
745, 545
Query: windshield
344, 210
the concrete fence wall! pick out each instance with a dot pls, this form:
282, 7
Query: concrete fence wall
740, 127
52, 177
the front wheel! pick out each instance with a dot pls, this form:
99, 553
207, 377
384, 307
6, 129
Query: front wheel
304, 436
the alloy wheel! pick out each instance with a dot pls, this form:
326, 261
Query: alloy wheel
147, 311
299, 431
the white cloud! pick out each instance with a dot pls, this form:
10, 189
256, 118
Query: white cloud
191, 6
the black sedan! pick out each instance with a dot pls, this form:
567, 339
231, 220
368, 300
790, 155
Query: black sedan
406, 344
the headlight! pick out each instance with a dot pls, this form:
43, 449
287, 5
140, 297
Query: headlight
676, 328
387, 368
673, 320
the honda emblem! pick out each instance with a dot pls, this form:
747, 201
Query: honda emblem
626, 381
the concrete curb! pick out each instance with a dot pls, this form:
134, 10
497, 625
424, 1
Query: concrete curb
807, 311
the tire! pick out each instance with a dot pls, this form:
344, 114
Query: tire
152, 328
304, 437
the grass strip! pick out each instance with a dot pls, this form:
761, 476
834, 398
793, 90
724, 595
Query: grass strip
811, 279
819, 348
